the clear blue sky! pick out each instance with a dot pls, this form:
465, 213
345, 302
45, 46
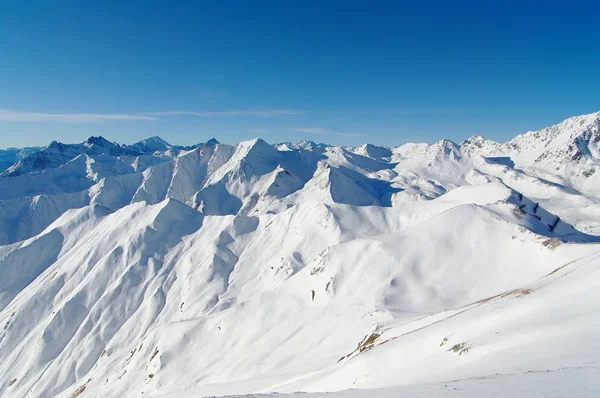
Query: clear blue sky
347, 72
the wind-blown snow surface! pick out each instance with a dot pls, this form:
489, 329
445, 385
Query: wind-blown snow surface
157, 270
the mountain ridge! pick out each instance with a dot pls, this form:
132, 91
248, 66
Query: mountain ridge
256, 268
577, 132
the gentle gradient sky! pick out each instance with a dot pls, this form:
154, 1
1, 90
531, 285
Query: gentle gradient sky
346, 72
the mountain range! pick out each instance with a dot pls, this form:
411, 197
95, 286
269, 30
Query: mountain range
161, 270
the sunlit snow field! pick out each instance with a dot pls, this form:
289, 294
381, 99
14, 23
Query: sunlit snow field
321, 271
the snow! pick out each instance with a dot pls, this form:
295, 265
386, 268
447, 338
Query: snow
57, 154
162, 270
566, 382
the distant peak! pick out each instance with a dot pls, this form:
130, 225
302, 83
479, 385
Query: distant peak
154, 139
306, 142
446, 143
475, 138
213, 141
151, 145
57, 146
99, 140
157, 139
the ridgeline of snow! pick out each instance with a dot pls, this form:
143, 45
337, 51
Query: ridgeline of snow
57, 154
160, 270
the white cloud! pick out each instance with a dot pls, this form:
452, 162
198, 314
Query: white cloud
16, 116
246, 112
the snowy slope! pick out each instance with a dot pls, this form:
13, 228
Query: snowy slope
102, 180
159, 270
566, 382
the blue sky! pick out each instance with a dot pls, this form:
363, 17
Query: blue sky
385, 72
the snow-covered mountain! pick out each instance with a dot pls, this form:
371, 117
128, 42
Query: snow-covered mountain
57, 154
19, 161
157, 146
152, 145
10, 156
161, 270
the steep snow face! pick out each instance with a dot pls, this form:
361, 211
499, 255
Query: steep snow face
255, 174
345, 185
298, 267
250, 159
375, 152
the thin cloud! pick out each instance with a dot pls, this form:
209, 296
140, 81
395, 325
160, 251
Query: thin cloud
312, 130
323, 131
8, 115
259, 130
266, 113
342, 134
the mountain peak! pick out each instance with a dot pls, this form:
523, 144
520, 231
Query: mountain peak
475, 140
157, 139
151, 145
153, 139
373, 151
99, 141
56, 145
213, 141
254, 145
